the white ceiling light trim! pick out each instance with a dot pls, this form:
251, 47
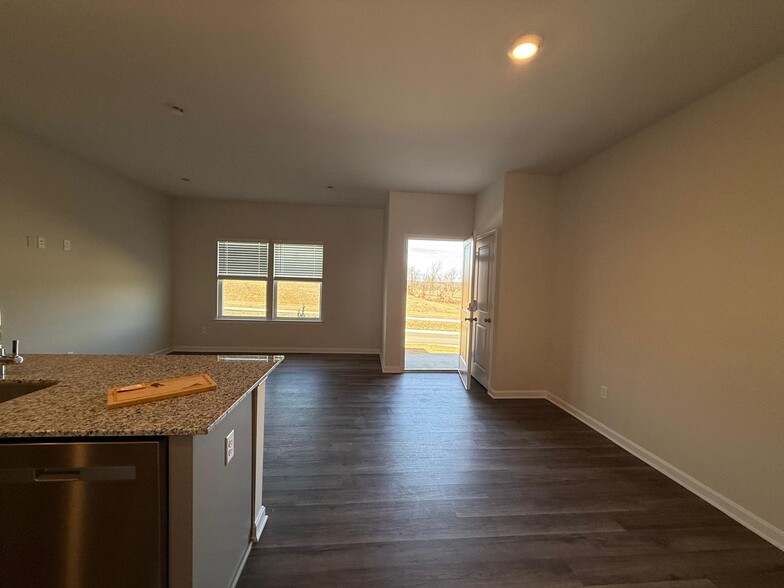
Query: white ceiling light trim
525, 48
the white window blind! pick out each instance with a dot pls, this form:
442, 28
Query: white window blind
237, 259
304, 261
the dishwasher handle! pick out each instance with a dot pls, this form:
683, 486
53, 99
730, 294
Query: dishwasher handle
58, 475
121, 473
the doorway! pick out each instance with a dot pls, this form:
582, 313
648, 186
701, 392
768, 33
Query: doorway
432, 306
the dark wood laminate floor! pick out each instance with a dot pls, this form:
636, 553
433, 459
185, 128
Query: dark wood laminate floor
408, 480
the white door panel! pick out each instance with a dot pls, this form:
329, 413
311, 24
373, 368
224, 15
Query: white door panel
466, 315
484, 271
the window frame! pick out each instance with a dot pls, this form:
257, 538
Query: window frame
275, 281
271, 309
219, 283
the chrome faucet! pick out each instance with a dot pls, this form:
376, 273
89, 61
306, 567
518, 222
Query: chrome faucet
7, 359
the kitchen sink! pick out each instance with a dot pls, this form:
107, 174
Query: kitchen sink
11, 390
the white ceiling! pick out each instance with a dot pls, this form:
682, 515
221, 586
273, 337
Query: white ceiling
285, 97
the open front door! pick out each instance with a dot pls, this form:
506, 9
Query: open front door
467, 307
484, 287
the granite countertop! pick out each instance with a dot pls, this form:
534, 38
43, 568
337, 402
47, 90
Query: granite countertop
76, 405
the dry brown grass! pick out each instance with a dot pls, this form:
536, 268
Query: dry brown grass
425, 325
417, 307
418, 310
292, 295
253, 294
430, 348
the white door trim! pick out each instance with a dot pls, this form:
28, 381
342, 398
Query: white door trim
404, 293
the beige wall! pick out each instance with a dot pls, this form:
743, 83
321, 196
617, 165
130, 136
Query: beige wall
415, 215
488, 217
111, 292
352, 293
489, 207
524, 311
671, 290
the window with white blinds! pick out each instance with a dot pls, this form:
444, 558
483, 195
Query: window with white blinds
299, 261
243, 268
241, 259
297, 272
244, 290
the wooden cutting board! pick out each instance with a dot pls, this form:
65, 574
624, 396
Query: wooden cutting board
160, 390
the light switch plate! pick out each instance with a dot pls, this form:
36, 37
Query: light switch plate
41, 243
229, 447
66, 244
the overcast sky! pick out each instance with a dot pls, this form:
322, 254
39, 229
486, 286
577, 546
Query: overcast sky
422, 253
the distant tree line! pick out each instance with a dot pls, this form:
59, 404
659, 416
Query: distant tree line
435, 283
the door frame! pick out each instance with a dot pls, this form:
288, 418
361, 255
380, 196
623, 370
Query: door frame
495, 232
404, 293
470, 242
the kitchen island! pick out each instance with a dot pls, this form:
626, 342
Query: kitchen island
208, 451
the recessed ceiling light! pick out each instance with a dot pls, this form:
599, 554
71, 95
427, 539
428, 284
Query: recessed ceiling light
525, 48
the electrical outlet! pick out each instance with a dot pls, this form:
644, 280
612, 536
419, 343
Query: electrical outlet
204, 330
603, 392
229, 447
66, 244
41, 243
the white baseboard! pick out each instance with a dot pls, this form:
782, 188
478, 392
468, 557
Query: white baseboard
510, 394
259, 524
748, 519
268, 350
392, 369
164, 351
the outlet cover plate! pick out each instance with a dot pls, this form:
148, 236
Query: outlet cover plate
229, 447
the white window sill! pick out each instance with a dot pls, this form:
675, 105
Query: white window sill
240, 319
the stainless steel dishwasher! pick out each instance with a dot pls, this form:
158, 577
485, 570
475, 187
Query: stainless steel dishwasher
78, 514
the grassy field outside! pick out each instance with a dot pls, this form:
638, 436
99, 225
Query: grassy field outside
423, 314
417, 306
248, 298
419, 310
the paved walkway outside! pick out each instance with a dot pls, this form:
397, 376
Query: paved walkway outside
419, 360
